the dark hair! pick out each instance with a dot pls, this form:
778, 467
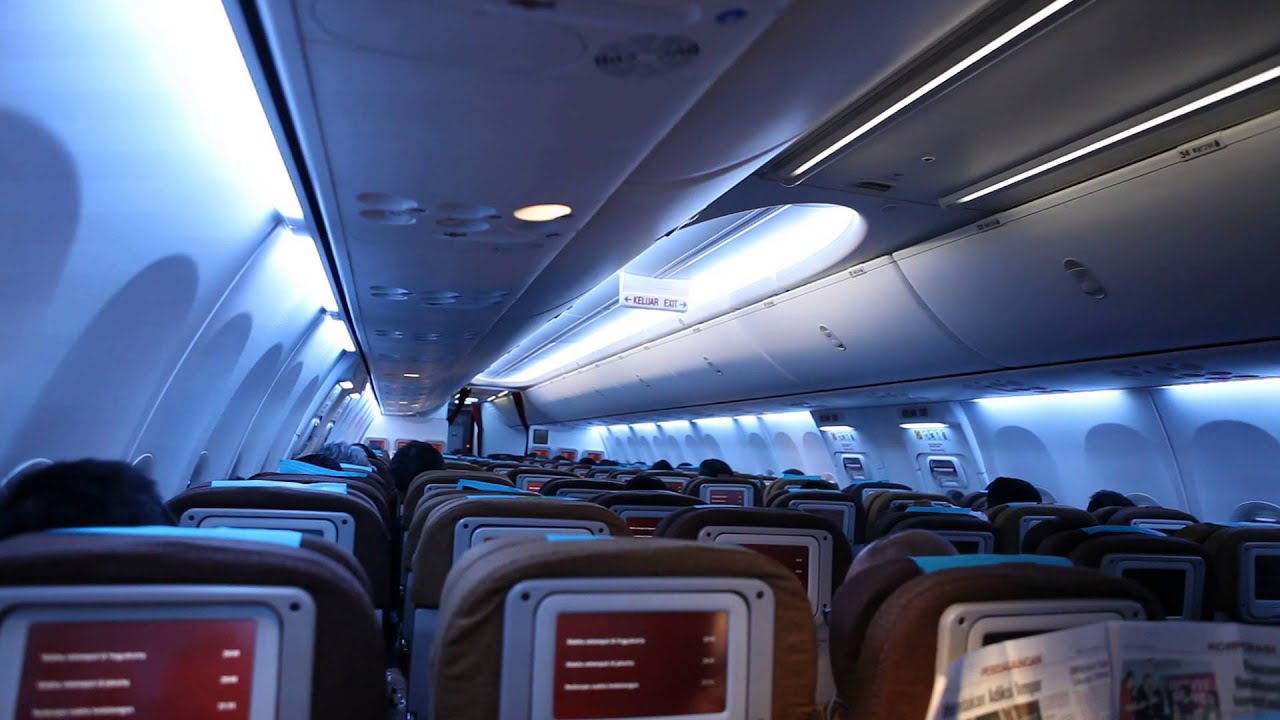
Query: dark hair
319, 460
1005, 490
607, 463
368, 451
955, 495
685, 465
412, 460
83, 493
814, 485
661, 465
714, 467
792, 471
1108, 498
645, 481
589, 462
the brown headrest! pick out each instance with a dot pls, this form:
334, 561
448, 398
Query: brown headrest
347, 677
460, 465
879, 503
1126, 516
364, 486
780, 486
1200, 532
551, 487
516, 472
1046, 529
372, 544
1008, 522
1064, 543
783, 499
433, 557
468, 649
653, 498
687, 524
442, 477
413, 534
884, 623
694, 488
902, 522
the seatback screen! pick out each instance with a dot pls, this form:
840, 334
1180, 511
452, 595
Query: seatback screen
534, 485
793, 557
197, 669
643, 525
1266, 577
967, 547
727, 496
640, 664
674, 484
1169, 585
835, 515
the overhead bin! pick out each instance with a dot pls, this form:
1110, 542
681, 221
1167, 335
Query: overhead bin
1176, 251
775, 347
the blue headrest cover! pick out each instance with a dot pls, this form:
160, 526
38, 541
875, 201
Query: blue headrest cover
335, 487
934, 563
289, 538
1120, 529
939, 509
297, 467
491, 487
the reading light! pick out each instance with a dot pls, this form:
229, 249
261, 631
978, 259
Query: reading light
412, 375
923, 426
1003, 39
1058, 399
354, 396
491, 398
835, 428
1215, 97
542, 213
346, 384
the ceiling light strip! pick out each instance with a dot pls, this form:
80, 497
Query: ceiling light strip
985, 51
1228, 92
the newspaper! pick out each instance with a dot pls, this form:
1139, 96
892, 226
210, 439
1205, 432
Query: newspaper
1118, 671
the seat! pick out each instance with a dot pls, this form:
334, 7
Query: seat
532, 478
1012, 523
354, 521
860, 491
460, 524
973, 499
643, 510
897, 621
969, 534
515, 614
460, 465
781, 484
1244, 572
576, 487
306, 610
676, 481
883, 501
834, 505
743, 492
1162, 519
1046, 529
1175, 570
441, 477
367, 487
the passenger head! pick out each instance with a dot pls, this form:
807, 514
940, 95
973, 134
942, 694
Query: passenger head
1005, 490
955, 496
343, 453
645, 481
412, 460
683, 466
908, 543
607, 463
84, 493
323, 461
1108, 498
368, 451
715, 467
792, 471
589, 462
814, 485
661, 465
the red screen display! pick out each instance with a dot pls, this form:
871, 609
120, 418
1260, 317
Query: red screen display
642, 526
648, 664
727, 496
196, 669
676, 485
535, 485
793, 557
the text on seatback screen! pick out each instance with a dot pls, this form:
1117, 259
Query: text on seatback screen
1168, 585
196, 669
727, 496
640, 664
642, 526
535, 485
793, 557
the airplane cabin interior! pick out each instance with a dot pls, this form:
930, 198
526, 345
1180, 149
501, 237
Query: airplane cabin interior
639, 359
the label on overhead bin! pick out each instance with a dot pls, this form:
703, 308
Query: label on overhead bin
646, 293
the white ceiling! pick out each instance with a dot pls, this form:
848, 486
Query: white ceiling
424, 125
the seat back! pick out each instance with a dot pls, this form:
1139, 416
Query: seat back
1245, 572
895, 622
781, 485
883, 501
576, 487
644, 510
969, 534
441, 477
1012, 524
742, 492
534, 478
725, 633
1166, 520
347, 519
299, 624
834, 505
1174, 570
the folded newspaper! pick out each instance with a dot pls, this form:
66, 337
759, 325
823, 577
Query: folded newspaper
1118, 670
